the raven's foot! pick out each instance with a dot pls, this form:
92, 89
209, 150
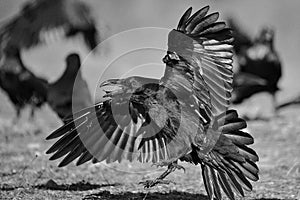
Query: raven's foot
171, 166
151, 183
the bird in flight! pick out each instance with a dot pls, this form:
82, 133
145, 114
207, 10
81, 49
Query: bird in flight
70, 91
182, 116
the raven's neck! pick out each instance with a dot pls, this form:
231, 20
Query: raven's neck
71, 73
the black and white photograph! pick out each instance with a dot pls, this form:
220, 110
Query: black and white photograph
149, 99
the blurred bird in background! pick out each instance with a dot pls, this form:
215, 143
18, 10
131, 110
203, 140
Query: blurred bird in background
37, 18
70, 92
182, 116
36, 21
21, 85
259, 65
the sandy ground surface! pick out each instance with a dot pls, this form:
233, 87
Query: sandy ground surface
26, 172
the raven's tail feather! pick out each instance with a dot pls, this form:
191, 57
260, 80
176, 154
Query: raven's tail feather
231, 164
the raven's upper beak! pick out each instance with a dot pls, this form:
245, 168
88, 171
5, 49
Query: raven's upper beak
116, 83
110, 82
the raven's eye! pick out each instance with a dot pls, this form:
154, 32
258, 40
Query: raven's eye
133, 83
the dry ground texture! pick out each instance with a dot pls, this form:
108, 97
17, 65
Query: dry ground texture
26, 173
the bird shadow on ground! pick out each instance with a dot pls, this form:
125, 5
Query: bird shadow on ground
51, 185
268, 199
174, 195
80, 186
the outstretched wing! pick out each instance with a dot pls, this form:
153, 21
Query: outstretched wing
195, 67
113, 130
41, 16
200, 58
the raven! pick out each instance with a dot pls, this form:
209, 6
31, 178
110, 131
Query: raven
24, 31
20, 84
70, 91
182, 116
259, 65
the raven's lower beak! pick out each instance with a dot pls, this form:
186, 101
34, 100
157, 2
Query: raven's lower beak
110, 82
116, 87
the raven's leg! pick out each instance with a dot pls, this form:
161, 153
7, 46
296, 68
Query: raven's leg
32, 113
171, 168
274, 104
18, 115
173, 164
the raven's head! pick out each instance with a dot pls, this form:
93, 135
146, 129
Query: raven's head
126, 86
266, 35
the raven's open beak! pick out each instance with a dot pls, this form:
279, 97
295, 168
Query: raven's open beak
115, 83
110, 82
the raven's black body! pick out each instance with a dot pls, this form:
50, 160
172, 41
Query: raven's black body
260, 71
259, 64
21, 85
70, 92
182, 116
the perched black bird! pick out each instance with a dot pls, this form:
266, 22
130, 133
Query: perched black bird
259, 68
70, 91
20, 84
25, 30
37, 17
182, 116
293, 101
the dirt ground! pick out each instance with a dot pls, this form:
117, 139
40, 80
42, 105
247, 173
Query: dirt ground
26, 172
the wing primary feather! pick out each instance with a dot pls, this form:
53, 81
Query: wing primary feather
65, 128
192, 22
225, 185
66, 148
217, 190
85, 157
209, 19
62, 141
236, 185
215, 27
183, 20
207, 182
109, 144
75, 153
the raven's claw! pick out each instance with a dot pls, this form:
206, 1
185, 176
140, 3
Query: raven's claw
172, 166
151, 183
